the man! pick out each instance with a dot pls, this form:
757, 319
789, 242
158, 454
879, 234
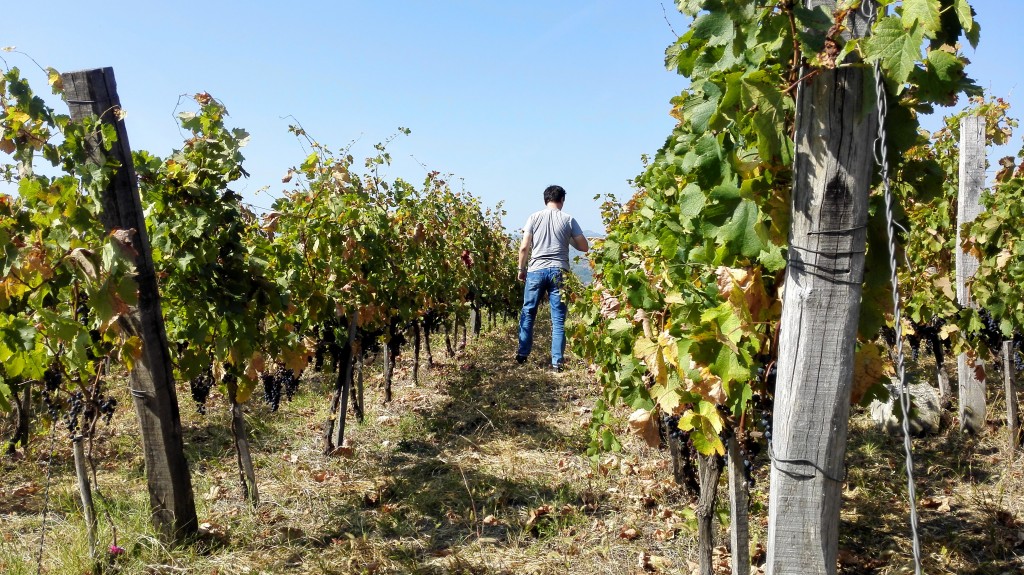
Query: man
547, 236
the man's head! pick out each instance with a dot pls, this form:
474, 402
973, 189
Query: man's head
554, 194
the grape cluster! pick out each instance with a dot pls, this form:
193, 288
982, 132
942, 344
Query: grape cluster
107, 405
749, 448
276, 382
271, 390
73, 415
200, 387
990, 332
684, 456
82, 313
671, 424
52, 378
290, 382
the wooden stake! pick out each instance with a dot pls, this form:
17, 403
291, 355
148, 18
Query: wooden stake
835, 135
1012, 414
739, 506
94, 93
972, 180
85, 493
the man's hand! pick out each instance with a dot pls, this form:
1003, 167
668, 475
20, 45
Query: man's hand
522, 275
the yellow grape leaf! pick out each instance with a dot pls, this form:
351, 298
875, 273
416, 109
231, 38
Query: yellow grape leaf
666, 398
948, 330
943, 284
709, 412
702, 433
245, 389
17, 116
256, 365
675, 297
649, 351
131, 350
297, 358
710, 386
744, 289
641, 423
669, 349
1002, 259
868, 369
686, 421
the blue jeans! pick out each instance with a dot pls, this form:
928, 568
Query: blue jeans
546, 281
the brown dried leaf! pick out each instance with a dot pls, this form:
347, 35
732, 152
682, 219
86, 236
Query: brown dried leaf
123, 240
641, 423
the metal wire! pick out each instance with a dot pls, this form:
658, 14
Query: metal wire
881, 157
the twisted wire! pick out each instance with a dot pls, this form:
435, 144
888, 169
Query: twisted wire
881, 158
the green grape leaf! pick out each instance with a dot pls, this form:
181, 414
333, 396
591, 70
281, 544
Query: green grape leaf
925, 13
896, 48
741, 230
964, 13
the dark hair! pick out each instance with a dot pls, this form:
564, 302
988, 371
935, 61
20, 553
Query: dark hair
554, 194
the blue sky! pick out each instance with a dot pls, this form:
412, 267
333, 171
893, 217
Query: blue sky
506, 96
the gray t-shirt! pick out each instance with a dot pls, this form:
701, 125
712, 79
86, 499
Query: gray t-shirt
551, 229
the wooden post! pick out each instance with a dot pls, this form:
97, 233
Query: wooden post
709, 472
739, 506
246, 471
835, 133
85, 493
1012, 415
972, 180
344, 386
94, 92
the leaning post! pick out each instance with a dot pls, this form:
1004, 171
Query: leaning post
94, 93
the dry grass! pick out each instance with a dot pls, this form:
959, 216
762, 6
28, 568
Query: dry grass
480, 469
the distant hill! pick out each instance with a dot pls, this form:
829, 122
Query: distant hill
580, 266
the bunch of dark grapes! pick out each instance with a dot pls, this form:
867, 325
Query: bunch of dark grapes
684, 456
73, 415
107, 405
201, 386
671, 424
749, 448
82, 313
990, 332
52, 379
271, 389
290, 382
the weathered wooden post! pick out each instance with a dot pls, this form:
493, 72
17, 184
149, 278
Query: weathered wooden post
835, 133
739, 504
1012, 415
972, 180
94, 92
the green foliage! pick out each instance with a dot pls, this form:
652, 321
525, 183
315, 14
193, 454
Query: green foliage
994, 237
927, 185
684, 306
66, 281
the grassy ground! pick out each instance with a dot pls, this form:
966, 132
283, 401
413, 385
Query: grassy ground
480, 469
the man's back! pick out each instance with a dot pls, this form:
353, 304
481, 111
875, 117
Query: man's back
551, 230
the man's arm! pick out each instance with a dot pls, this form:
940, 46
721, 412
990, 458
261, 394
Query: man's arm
524, 254
580, 242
